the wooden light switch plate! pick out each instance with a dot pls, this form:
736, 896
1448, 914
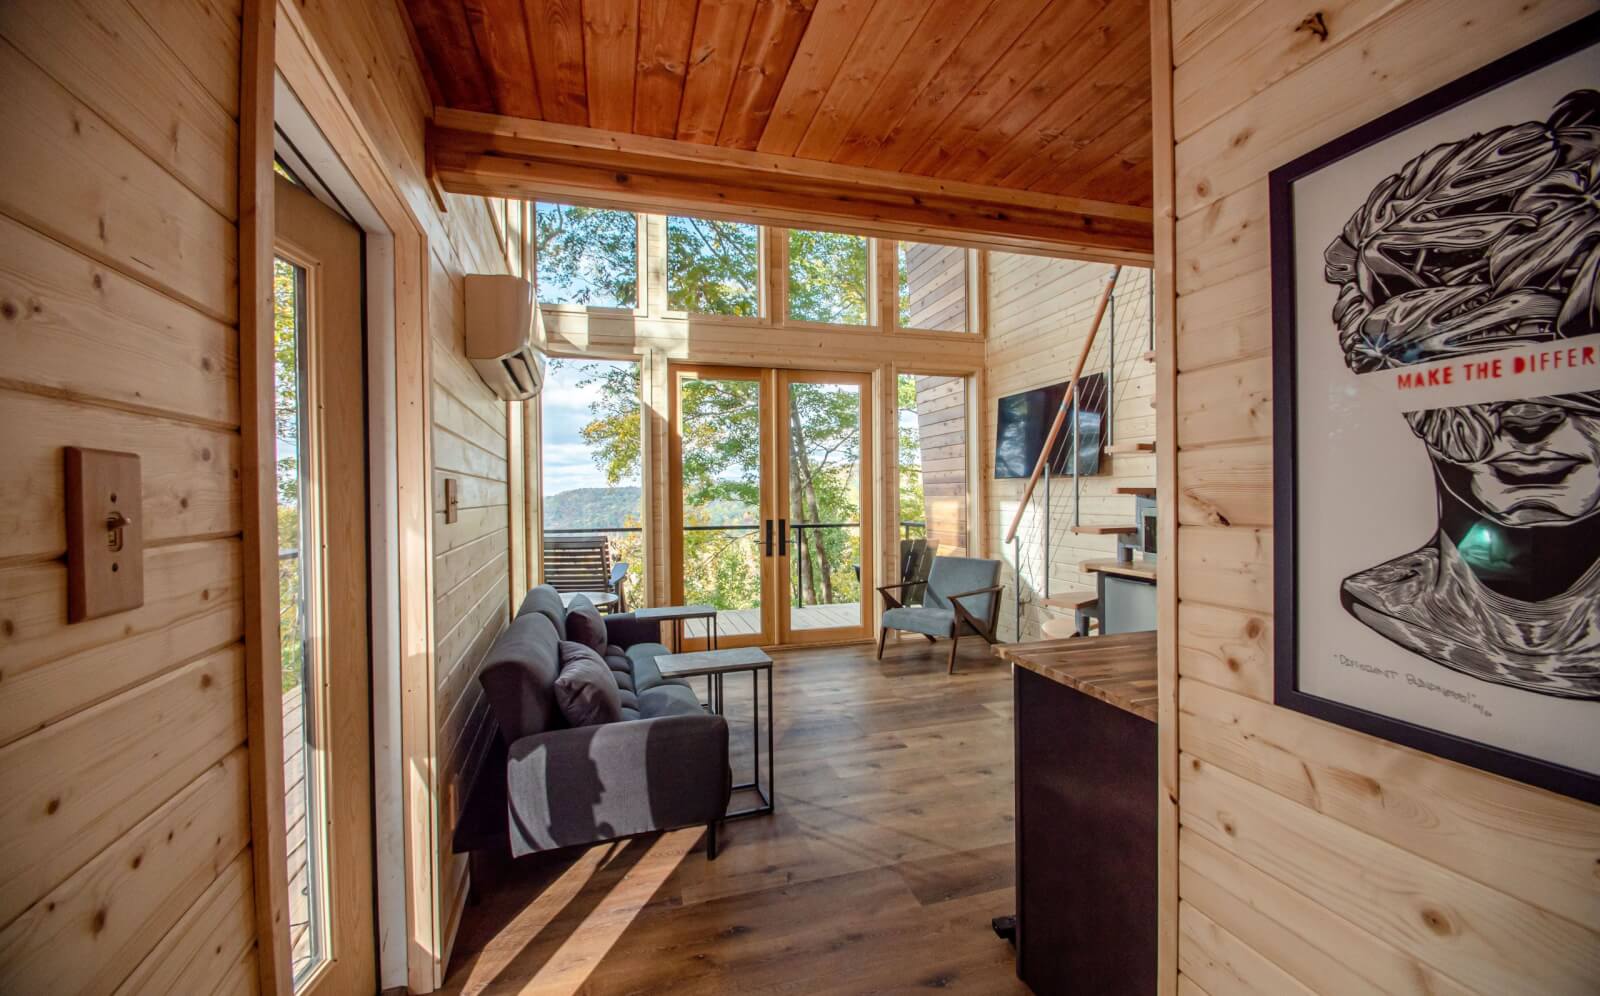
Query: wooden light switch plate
105, 533
452, 499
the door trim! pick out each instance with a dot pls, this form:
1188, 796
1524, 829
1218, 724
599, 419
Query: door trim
277, 39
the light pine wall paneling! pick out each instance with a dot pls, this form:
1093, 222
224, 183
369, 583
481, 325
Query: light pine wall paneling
1431, 876
117, 308
1039, 314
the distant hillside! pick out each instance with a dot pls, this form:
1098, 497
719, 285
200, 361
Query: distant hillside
592, 508
611, 508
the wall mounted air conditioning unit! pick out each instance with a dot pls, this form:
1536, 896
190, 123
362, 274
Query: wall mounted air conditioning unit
503, 325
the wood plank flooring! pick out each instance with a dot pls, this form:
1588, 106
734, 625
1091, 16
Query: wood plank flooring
890, 851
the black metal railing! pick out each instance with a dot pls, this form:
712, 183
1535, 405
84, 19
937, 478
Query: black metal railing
799, 531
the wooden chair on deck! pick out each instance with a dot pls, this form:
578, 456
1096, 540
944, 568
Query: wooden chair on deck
583, 563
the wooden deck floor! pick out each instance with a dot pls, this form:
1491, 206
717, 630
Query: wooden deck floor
741, 621
294, 783
890, 852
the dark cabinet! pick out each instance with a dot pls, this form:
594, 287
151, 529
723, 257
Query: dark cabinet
1086, 785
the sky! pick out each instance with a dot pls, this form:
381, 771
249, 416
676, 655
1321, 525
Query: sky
568, 460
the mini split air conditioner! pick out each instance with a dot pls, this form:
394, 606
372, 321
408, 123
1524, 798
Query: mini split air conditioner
503, 323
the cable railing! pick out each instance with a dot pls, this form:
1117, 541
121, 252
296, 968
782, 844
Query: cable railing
1106, 365
800, 531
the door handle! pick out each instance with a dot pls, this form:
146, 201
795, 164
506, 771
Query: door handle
783, 537
769, 537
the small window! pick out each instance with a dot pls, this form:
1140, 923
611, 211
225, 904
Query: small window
828, 278
932, 433
932, 287
713, 267
587, 256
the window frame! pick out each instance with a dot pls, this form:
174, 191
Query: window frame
640, 306
975, 264
764, 306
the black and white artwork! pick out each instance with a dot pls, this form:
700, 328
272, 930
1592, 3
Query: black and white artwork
1436, 300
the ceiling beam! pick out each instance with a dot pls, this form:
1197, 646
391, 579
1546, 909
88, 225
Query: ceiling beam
498, 156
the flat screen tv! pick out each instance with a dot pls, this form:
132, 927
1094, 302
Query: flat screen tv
1023, 420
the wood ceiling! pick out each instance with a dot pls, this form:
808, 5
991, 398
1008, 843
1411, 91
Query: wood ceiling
1046, 96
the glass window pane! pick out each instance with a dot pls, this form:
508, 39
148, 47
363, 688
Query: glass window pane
586, 256
824, 505
721, 465
828, 278
590, 453
713, 267
306, 847
932, 286
933, 472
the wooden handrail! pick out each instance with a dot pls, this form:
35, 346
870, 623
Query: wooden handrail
1066, 402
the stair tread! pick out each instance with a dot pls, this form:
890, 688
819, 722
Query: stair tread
1060, 628
1131, 448
1106, 530
1071, 599
1133, 489
1149, 356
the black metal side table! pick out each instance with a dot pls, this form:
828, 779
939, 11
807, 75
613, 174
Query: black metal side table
676, 615
716, 665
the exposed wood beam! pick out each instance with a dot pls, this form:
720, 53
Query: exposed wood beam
498, 156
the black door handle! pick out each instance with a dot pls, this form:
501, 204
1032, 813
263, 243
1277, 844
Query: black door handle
783, 537
769, 537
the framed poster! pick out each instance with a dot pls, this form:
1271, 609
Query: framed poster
1436, 352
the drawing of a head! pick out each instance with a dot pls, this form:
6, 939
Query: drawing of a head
1474, 246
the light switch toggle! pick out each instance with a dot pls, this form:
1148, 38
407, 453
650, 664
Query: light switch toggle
116, 522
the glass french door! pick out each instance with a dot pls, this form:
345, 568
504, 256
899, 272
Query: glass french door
322, 593
771, 520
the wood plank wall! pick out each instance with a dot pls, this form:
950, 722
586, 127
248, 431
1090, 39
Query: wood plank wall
1313, 858
370, 51
126, 832
126, 829
1039, 315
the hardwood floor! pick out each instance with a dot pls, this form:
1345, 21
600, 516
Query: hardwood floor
890, 851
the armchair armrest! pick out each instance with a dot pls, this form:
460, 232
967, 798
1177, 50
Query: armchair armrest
965, 614
594, 783
891, 601
619, 572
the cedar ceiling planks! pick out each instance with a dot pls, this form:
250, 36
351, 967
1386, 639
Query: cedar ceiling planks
1044, 95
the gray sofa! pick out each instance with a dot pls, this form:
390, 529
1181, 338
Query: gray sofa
662, 767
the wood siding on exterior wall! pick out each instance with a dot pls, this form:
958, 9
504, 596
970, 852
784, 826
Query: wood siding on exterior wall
1312, 857
126, 833
1039, 315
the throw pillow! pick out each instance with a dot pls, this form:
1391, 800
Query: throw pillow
585, 625
586, 690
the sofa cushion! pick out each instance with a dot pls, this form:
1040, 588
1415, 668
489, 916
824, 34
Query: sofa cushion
585, 689
669, 698
645, 673
546, 601
584, 624
921, 619
518, 678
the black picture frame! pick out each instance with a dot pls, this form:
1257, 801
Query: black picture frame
1286, 685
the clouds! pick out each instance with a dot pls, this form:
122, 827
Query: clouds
569, 461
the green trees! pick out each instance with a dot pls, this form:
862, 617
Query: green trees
828, 277
586, 256
713, 267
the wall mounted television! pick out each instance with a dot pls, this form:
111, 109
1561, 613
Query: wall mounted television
1023, 420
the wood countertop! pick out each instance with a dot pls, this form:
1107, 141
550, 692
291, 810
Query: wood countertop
1119, 669
1138, 569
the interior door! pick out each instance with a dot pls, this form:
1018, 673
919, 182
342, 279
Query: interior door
823, 445
722, 528
323, 606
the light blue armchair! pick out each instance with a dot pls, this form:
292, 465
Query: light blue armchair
962, 593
